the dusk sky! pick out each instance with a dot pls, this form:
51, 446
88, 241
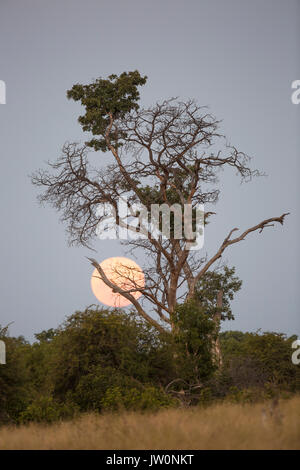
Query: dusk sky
238, 57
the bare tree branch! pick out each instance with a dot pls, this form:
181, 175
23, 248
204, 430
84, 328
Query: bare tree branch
228, 241
127, 295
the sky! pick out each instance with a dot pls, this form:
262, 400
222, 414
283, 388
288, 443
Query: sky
238, 57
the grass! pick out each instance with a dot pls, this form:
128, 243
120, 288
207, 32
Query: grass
221, 426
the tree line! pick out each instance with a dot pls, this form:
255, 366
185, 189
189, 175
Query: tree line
103, 360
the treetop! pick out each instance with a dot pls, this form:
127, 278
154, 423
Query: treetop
104, 100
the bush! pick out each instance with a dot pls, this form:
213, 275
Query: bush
101, 339
193, 342
46, 409
16, 389
257, 361
93, 386
148, 399
104, 359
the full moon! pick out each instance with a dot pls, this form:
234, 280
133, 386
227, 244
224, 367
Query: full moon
123, 272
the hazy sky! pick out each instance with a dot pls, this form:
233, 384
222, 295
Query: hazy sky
238, 57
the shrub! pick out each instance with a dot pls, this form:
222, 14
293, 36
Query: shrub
93, 386
15, 386
148, 399
193, 342
255, 360
46, 409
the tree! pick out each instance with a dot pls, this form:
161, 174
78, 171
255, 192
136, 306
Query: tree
214, 292
259, 360
15, 387
169, 154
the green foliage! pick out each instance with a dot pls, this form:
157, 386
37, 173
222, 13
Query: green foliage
205, 396
256, 366
102, 339
195, 331
46, 409
38, 360
115, 96
92, 387
148, 399
153, 195
105, 360
46, 335
15, 387
211, 283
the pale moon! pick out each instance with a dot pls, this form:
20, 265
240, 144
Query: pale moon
123, 272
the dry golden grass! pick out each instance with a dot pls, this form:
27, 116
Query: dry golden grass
222, 426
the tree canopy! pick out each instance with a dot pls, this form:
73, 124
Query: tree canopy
102, 360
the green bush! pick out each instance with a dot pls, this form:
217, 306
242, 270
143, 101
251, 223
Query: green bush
93, 386
148, 399
102, 360
205, 396
259, 360
100, 339
195, 332
16, 389
46, 409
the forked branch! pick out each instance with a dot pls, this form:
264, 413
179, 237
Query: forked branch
230, 241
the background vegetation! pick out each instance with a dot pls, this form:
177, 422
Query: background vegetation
104, 360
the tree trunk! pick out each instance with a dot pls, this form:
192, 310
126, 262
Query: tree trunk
217, 319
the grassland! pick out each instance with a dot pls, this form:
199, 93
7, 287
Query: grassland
267, 425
